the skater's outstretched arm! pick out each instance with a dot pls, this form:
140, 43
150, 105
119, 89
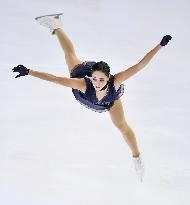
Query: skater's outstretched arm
124, 75
75, 83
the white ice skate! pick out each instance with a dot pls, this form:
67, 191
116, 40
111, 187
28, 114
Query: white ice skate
139, 167
51, 21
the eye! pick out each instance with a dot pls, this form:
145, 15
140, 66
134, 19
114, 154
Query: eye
96, 80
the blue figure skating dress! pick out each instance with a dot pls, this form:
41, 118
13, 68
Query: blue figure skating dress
89, 99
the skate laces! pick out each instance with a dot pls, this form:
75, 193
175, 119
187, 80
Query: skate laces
138, 163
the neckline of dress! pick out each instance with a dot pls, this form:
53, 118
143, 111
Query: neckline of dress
103, 96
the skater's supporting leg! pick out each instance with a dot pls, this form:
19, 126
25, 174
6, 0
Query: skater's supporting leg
117, 116
67, 46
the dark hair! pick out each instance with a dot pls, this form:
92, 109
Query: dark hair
101, 66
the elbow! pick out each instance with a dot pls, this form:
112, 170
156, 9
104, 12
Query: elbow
141, 65
61, 81
57, 80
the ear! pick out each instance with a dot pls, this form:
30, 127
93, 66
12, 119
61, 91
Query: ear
88, 77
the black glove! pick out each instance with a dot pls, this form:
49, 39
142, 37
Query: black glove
165, 40
21, 69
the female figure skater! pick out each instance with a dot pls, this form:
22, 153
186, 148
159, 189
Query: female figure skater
93, 85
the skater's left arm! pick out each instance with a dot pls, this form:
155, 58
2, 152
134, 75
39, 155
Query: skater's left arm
124, 75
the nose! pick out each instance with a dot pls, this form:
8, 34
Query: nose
97, 83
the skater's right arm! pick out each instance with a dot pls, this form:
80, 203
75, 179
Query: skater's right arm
42, 75
75, 83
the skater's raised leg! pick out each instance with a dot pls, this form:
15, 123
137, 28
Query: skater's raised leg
53, 22
68, 47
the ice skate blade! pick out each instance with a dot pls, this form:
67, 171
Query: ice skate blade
58, 14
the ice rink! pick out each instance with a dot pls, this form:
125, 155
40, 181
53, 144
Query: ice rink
53, 150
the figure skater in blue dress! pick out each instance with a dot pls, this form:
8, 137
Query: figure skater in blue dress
93, 85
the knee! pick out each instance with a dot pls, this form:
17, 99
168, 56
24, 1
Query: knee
125, 129
70, 54
123, 126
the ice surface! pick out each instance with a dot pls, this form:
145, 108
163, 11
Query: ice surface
55, 151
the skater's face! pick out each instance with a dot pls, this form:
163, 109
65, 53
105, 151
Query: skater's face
99, 80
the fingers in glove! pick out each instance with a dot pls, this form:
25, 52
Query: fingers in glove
18, 76
15, 69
